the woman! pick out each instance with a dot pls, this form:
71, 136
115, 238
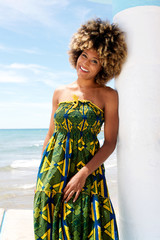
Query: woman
72, 199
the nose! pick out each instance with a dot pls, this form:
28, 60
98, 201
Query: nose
86, 62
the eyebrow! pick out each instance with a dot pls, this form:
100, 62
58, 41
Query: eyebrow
93, 57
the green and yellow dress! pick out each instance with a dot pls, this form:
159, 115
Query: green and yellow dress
73, 144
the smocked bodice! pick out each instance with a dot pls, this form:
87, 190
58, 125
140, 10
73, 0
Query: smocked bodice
78, 115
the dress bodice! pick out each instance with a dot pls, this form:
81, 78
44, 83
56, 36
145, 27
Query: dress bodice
78, 115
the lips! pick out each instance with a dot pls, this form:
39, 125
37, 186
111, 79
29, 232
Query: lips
83, 69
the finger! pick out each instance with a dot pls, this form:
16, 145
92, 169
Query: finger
69, 196
77, 195
67, 193
66, 188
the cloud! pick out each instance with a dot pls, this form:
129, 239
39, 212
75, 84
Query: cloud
44, 75
13, 105
29, 16
29, 11
11, 77
34, 73
81, 13
101, 1
12, 50
30, 67
3, 48
28, 51
56, 79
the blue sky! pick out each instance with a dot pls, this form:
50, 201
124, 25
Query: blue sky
34, 40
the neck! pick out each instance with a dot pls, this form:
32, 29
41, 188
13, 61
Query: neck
86, 84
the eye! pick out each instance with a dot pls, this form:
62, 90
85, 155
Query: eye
95, 61
84, 55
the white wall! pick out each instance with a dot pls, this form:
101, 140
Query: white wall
139, 132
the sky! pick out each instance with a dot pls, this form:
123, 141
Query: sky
34, 40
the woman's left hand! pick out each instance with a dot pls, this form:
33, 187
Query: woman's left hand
74, 186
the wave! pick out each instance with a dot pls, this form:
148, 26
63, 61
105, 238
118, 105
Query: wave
27, 186
37, 144
34, 163
32, 145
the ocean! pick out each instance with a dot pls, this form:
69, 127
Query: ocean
20, 156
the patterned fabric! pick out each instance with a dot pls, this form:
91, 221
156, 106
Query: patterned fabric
73, 144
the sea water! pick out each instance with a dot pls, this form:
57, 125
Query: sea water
20, 156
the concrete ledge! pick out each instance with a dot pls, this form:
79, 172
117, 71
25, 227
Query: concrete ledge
17, 225
1, 218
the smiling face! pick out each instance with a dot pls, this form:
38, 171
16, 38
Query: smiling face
88, 65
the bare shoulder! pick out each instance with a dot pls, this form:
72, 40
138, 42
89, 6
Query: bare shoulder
60, 92
60, 89
109, 94
57, 92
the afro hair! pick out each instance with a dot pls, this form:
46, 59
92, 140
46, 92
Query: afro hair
108, 40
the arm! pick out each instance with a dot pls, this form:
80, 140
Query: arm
110, 134
51, 125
